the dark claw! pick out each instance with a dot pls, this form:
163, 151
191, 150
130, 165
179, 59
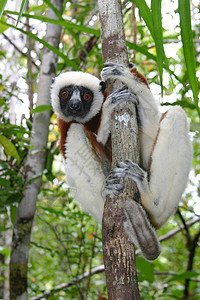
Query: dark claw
132, 66
110, 64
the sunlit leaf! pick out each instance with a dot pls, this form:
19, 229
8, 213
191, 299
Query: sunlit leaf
141, 50
41, 108
57, 13
3, 27
55, 50
158, 35
188, 46
64, 23
36, 176
9, 147
145, 13
154, 23
2, 6
22, 8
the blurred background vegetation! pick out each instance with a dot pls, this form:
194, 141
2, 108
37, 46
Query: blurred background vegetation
66, 247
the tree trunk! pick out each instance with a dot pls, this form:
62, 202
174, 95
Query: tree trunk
119, 253
34, 167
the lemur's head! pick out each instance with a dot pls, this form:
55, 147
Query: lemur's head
77, 96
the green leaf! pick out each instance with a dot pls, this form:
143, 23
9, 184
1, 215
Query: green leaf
13, 211
64, 23
145, 13
37, 176
157, 35
141, 50
188, 46
145, 269
183, 276
4, 182
5, 252
3, 27
22, 8
13, 198
55, 50
9, 147
41, 108
57, 13
49, 160
2, 6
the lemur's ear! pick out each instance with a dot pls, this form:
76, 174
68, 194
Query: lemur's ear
103, 86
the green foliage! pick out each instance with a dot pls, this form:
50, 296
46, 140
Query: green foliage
15, 143
2, 6
41, 108
65, 241
188, 47
22, 8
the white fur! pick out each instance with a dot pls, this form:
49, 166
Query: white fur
171, 156
80, 79
104, 129
171, 162
84, 174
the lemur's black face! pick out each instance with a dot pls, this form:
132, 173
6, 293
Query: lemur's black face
75, 101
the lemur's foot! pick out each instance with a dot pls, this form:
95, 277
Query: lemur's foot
131, 170
121, 95
112, 187
110, 70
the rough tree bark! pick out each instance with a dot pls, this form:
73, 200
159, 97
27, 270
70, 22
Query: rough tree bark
34, 166
119, 253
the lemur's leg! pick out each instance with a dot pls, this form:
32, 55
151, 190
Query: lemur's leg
162, 188
111, 102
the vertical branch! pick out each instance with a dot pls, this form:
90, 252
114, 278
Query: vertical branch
34, 167
119, 253
134, 28
192, 249
29, 65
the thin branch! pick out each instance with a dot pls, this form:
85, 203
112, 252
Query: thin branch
91, 260
62, 286
170, 273
19, 50
134, 29
101, 268
176, 230
29, 67
192, 249
184, 225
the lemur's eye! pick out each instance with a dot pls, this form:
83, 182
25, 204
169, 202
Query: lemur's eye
65, 94
86, 97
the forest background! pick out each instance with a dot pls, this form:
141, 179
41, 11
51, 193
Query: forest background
65, 255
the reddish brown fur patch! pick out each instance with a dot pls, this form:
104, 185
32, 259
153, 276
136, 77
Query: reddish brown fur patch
94, 123
63, 128
141, 77
105, 94
97, 147
155, 141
